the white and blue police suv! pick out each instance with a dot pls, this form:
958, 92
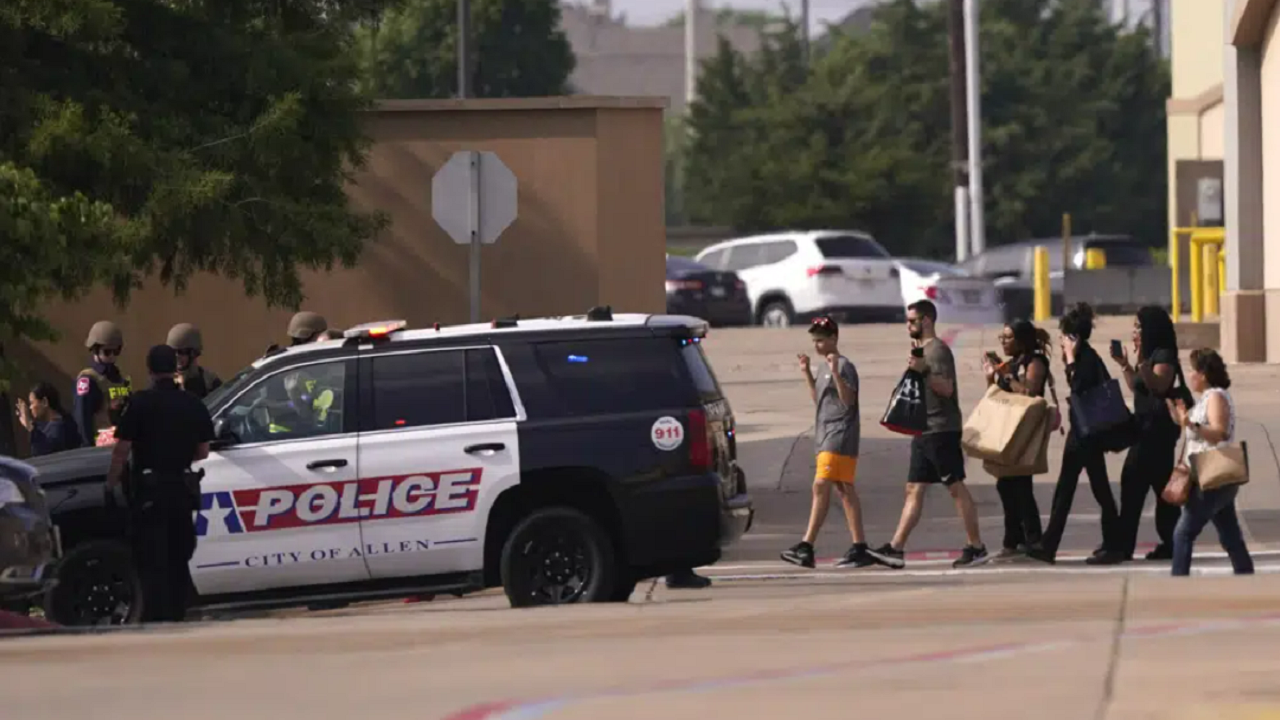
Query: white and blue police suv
563, 459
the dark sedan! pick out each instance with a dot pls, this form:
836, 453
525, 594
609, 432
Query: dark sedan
694, 289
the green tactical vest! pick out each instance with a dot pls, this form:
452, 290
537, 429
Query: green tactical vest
114, 396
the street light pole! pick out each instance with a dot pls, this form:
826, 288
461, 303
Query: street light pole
959, 134
690, 51
464, 57
973, 84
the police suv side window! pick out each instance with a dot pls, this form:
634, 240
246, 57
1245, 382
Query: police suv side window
616, 375
437, 388
301, 402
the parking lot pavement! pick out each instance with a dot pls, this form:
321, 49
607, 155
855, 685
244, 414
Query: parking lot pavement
759, 372
1117, 646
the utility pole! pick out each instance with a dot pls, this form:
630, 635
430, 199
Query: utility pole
977, 222
959, 147
804, 29
464, 56
691, 51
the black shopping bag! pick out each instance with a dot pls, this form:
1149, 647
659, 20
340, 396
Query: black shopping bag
906, 412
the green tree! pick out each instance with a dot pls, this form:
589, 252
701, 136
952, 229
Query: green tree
1073, 121
517, 46
149, 136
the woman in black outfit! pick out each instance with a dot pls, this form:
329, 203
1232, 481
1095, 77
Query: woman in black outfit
1150, 460
52, 429
1085, 371
1025, 373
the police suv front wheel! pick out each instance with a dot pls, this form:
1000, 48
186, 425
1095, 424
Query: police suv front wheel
96, 584
557, 556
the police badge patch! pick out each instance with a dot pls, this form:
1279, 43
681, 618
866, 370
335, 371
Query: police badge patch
82, 385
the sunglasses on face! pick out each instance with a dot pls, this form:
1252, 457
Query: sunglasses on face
184, 353
109, 352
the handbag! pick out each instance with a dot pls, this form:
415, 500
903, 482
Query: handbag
1099, 409
1178, 489
906, 412
1226, 464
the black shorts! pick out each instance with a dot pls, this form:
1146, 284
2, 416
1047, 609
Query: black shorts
936, 458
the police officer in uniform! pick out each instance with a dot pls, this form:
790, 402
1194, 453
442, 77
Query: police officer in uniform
165, 430
193, 377
101, 389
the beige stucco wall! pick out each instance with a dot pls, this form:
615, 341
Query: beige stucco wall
1196, 28
1270, 77
1212, 132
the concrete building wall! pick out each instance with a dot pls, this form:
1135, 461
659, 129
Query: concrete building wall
1195, 112
590, 231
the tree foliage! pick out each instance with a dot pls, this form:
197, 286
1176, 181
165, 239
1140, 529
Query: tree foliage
517, 46
1073, 121
173, 137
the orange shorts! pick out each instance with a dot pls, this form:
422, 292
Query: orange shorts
836, 467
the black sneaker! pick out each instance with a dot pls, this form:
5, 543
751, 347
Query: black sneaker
687, 580
887, 556
1161, 552
799, 554
1042, 555
971, 556
1106, 557
857, 557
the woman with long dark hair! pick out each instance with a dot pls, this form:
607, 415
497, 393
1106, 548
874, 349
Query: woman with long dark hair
52, 429
1025, 372
1211, 422
1150, 460
1085, 371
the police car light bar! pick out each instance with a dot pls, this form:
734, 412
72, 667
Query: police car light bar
375, 330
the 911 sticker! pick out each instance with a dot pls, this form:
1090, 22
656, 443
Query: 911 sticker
667, 433
333, 503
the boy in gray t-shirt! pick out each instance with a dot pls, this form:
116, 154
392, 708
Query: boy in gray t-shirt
837, 431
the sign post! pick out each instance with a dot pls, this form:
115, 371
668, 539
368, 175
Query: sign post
474, 198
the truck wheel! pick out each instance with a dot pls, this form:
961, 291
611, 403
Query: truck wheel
96, 584
557, 556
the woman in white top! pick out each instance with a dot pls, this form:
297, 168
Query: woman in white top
1211, 421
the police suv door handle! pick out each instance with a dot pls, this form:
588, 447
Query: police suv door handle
484, 448
323, 464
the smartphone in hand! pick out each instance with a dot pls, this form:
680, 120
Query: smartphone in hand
1117, 349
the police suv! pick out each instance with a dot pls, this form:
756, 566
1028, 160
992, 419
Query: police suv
563, 459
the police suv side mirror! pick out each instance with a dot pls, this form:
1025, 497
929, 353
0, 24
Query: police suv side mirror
222, 434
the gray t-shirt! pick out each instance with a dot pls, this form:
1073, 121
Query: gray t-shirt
836, 428
942, 414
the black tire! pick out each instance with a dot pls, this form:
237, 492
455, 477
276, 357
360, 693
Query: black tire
777, 313
97, 584
567, 544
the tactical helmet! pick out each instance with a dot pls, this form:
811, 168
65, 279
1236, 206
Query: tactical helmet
185, 336
106, 334
306, 325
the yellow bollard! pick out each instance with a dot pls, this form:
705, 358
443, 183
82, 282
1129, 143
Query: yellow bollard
1040, 279
1210, 299
1095, 259
1197, 284
1222, 271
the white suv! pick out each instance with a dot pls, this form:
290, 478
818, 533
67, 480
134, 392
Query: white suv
795, 276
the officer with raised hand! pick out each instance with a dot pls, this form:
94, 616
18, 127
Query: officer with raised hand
163, 431
102, 390
193, 377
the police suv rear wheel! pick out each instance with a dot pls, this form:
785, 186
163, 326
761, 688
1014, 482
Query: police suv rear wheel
557, 556
97, 584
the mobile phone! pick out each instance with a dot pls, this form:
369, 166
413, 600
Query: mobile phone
993, 357
1117, 349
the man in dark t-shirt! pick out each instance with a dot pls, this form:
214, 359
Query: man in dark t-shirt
936, 456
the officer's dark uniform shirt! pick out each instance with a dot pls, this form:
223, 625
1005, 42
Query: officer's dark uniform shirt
165, 424
88, 403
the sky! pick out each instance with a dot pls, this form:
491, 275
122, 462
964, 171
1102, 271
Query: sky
653, 12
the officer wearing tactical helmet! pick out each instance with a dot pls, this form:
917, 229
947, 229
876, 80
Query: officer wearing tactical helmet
185, 340
101, 389
306, 327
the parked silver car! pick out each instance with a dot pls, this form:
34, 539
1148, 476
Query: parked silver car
28, 538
